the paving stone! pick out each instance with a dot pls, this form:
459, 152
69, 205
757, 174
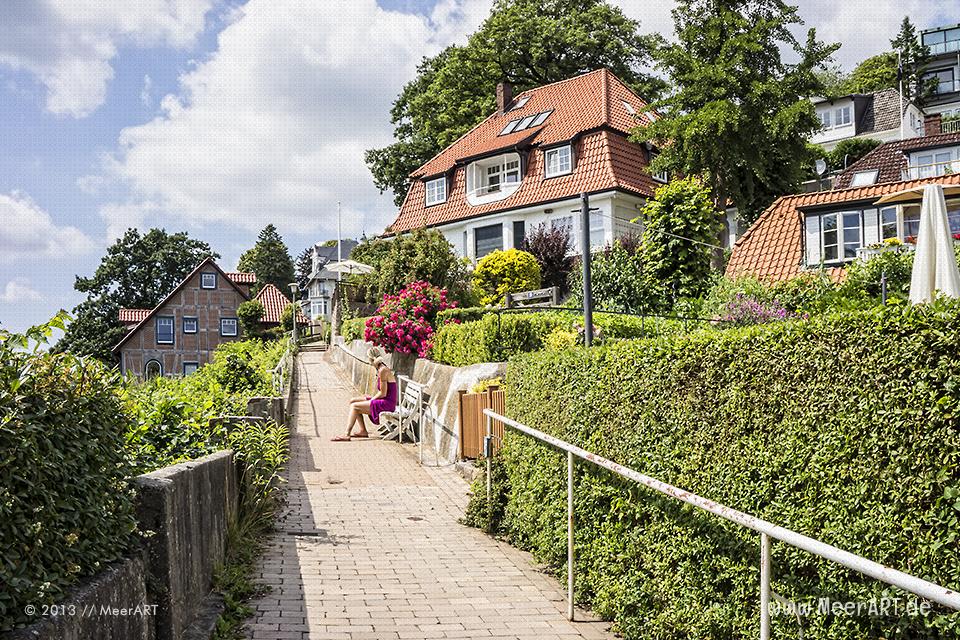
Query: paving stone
370, 545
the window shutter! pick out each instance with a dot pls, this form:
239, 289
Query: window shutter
871, 227
812, 231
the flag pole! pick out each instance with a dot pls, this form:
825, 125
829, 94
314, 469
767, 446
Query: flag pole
900, 77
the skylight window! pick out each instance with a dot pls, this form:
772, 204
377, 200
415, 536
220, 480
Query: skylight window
541, 117
629, 108
865, 178
509, 127
526, 122
520, 102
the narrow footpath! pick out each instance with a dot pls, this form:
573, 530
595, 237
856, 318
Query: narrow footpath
370, 545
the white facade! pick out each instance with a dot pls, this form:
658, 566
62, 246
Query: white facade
478, 236
839, 122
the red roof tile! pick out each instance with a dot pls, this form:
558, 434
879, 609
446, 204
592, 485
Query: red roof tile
891, 158
772, 249
242, 277
590, 106
132, 316
274, 302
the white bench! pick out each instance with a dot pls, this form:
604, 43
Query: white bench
396, 424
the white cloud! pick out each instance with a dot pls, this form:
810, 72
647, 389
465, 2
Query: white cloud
18, 291
272, 128
28, 231
68, 44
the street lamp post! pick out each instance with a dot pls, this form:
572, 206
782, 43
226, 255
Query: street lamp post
294, 295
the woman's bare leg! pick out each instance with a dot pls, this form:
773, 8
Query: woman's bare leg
361, 409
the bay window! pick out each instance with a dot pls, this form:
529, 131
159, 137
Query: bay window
493, 179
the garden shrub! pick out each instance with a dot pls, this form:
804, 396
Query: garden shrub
503, 272
405, 322
620, 282
842, 427
250, 315
353, 328
464, 314
66, 508
551, 247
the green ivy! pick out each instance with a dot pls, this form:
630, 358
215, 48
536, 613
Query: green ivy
843, 427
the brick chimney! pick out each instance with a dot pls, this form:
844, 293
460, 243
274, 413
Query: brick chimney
504, 96
932, 124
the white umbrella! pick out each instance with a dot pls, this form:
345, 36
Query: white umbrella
348, 266
934, 263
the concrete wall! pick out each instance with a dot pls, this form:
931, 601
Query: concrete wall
188, 507
441, 428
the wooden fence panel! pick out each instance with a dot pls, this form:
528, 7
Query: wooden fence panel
473, 424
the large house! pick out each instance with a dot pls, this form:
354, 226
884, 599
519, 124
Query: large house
180, 334
322, 282
874, 116
943, 74
827, 230
528, 163
909, 159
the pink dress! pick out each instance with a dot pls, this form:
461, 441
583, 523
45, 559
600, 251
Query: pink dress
385, 404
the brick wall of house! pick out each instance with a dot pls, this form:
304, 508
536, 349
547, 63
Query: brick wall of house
207, 305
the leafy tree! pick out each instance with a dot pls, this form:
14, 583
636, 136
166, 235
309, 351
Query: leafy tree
423, 255
551, 247
679, 226
874, 74
619, 281
528, 43
849, 151
915, 56
835, 82
250, 315
739, 115
270, 260
303, 269
138, 271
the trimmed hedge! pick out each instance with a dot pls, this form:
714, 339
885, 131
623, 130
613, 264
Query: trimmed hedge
353, 329
844, 428
490, 339
66, 508
464, 314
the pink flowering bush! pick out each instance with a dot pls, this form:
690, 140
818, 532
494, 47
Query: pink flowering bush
746, 310
405, 323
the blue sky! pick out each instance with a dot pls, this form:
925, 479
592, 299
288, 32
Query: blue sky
220, 116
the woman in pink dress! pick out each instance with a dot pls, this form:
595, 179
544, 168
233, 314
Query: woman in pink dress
384, 402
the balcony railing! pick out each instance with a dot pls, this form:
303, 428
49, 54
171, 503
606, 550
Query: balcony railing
934, 170
940, 48
950, 126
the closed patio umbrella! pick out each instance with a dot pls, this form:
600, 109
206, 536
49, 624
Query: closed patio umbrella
934, 263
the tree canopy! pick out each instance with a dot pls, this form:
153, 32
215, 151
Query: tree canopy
739, 115
915, 56
270, 260
138, 271
528, 43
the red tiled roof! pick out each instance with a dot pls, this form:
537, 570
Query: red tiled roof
128, 316
891, 160
589, 105
242, 277
274, 302
772, 249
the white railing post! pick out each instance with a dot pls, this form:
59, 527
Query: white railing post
570, 555
488, 441
764, 587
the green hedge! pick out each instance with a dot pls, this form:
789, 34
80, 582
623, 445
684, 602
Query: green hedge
66, 508
353, 329
463, 314
495, 338
844, 428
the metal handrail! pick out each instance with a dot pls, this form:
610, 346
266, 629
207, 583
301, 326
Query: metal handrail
929, 590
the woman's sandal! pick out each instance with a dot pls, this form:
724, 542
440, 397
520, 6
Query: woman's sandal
360, 435
340, 439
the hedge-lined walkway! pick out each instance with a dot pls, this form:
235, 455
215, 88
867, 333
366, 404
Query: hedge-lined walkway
371, 548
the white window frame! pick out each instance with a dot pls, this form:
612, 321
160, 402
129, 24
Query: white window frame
196, 324
561, 158
146, 367
203, 280
236, 328
841, 239
842, 116
865, 178
493, 179
436, 191
885, 225
194, 364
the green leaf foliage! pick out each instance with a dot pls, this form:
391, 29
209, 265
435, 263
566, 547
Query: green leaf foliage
873, 74
270, 260
66, 507
620, 281
529, 43
739, 114
138, 271
250, 315
353, 328
503, 272
843, 427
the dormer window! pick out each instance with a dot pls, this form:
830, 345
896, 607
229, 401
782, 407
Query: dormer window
493, 179
559, 161
436, 191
